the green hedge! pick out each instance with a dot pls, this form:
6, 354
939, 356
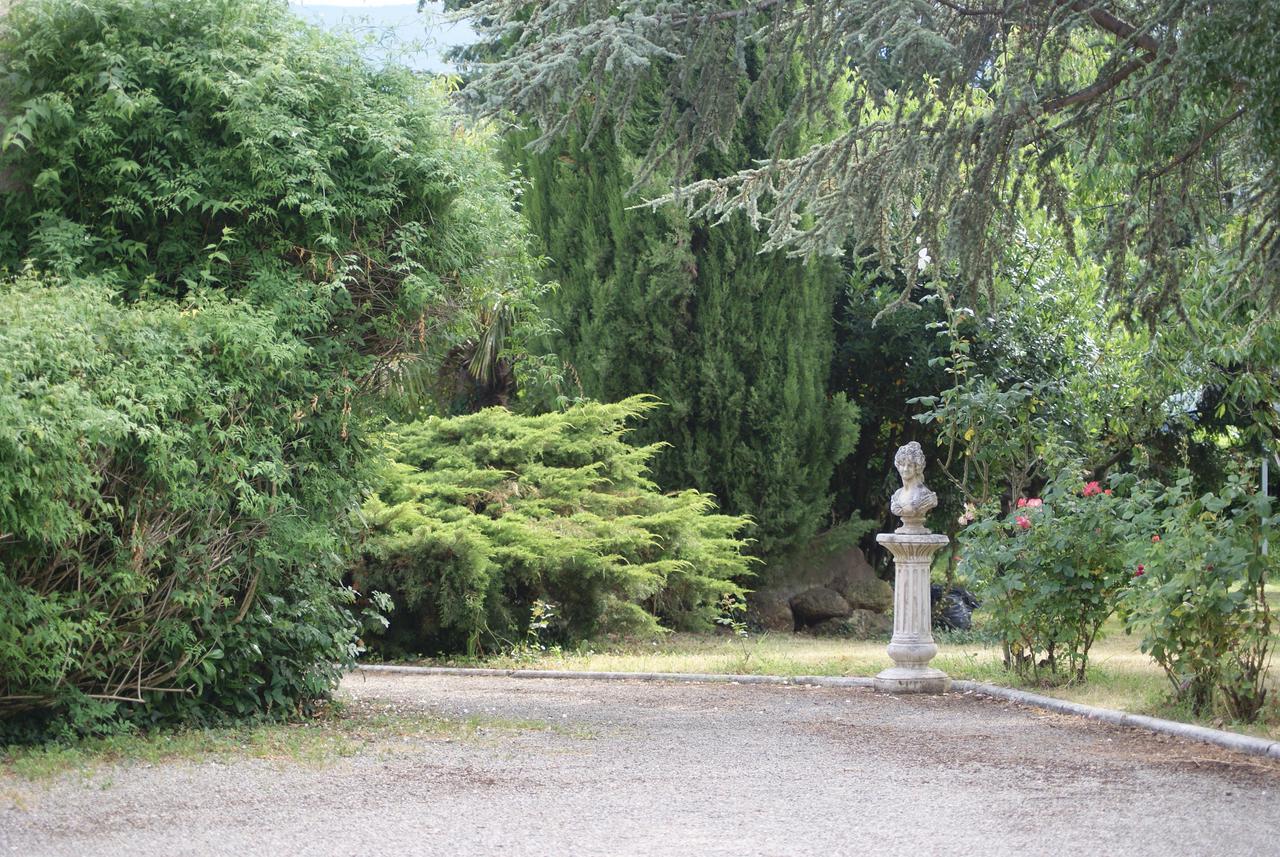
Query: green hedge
160, 479
482, 516
242, 234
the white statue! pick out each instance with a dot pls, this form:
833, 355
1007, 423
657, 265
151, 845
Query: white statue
913, 548
913, 501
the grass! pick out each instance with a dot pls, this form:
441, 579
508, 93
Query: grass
1119, 676
340, 730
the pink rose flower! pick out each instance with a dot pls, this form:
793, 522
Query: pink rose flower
1024, 522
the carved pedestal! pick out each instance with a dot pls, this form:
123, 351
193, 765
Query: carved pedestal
912, 646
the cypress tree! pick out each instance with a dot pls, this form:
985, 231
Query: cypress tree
737, 343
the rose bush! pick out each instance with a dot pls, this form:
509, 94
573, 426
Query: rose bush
1050, 573
1199, 598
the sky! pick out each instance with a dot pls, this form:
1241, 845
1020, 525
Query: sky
400, 32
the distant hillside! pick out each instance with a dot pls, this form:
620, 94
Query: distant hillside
397, 32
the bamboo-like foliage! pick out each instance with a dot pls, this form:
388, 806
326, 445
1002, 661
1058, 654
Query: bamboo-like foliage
935, 119
230, 235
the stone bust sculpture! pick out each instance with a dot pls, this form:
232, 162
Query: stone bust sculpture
913, 501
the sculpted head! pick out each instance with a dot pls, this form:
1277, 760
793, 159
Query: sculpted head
910, 463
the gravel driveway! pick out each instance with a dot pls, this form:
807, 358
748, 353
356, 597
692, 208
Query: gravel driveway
654, 768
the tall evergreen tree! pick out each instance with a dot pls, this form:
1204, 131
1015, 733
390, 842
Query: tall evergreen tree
736, 342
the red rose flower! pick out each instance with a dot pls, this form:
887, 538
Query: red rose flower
1141, 571
1155, 537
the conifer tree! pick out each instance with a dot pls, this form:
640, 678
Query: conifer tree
737, 343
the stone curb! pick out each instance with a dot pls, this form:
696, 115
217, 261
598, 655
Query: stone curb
1229, 740
721, 678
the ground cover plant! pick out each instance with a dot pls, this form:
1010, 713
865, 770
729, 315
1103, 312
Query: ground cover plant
493, 527
225, 236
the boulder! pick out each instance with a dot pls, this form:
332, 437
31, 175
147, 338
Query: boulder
848, 567
834, 627
817, 604
830, 556
874, 594
870, 624
769, 610
858, 625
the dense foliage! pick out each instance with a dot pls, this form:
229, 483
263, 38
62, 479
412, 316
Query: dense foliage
937, 118
169, 530
880, 363
242, 234
1050, 572
1200, 599
487, 522
166, 147
738, 343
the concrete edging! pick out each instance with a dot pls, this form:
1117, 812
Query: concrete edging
1229, 740
720, 678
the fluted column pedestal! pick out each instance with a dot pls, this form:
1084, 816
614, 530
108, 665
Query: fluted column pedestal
912, 646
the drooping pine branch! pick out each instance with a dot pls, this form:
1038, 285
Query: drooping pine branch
928, 122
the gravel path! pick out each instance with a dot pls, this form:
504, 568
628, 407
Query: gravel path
646, 769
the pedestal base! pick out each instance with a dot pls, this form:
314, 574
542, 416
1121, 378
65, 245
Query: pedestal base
908, 680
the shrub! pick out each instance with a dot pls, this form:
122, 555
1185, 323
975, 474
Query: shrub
252, 232
1050, 573
167, 515
481, 516
1200, 599
169, 145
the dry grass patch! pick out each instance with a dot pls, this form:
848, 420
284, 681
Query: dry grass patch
340, 730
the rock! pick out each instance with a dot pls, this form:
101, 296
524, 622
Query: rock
849, 566
768, 610
874, 594
815, 605
872, 624
835, 627
858, 625
830, 556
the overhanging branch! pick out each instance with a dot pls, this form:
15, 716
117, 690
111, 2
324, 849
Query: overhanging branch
1115, 25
